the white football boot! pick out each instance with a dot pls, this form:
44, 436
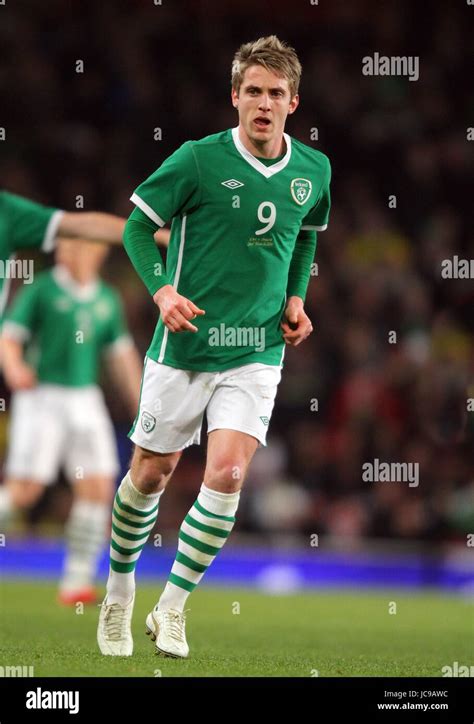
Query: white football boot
114, 633
167, 628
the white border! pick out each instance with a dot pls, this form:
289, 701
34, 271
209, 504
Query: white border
79, 292
147, 209
266, 171
306, 227
5, 291
119, 345
175, 284
16, 331
49, 239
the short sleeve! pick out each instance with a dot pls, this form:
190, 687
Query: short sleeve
22, 316
318, 217
30, 225
172, 189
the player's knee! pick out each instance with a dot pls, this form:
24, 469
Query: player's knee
150, 471
25, 493
151, 477
226, 475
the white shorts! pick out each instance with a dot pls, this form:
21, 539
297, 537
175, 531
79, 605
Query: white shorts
173, 402
55, 427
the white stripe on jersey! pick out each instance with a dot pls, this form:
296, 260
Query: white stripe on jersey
175, 283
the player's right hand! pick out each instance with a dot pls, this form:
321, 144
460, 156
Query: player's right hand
176, 310
20, 377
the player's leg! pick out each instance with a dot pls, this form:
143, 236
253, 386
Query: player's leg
23, 493
134, 515
211, 518
86, 534
169, 418
238, 416
202, 535
12, 491
34, 448
91, 464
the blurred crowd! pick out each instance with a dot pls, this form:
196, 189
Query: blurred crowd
354, 391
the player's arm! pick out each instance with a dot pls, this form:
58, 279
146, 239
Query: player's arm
92, 225
173, 189
16, 331
32, 225
17, 373
162, 237
122, 356
126, 366
175, 310
296, 325
98, 226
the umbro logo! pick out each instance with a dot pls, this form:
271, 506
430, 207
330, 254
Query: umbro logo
232, 183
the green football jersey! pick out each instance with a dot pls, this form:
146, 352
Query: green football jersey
235, 220
66, 326
24, 224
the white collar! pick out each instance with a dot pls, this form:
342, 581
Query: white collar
80, 292
266, 171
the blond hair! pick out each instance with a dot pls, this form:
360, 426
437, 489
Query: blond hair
271, 53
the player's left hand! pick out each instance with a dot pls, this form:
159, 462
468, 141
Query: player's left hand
296, 324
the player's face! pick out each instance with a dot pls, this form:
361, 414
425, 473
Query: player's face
82, 258
264, 102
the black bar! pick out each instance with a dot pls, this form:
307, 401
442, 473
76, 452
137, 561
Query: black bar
319, 699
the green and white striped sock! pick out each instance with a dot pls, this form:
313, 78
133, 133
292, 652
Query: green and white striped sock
133, 518
86, 534
202, 534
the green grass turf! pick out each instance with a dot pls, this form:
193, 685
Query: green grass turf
337, 634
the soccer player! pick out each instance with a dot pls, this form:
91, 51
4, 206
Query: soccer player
25, 224
245, 206
53, 337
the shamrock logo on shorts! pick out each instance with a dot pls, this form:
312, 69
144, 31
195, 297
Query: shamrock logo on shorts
148, 422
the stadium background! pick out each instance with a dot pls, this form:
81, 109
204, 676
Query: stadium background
168, 67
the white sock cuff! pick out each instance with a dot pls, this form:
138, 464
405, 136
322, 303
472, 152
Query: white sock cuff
218, 503
133, 497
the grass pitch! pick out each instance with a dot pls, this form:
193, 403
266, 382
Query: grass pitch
333, 634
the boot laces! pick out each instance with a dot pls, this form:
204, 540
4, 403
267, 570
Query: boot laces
175, 623
115, 622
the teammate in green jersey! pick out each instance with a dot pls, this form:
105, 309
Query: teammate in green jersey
53, 338
25, 224
245, 206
